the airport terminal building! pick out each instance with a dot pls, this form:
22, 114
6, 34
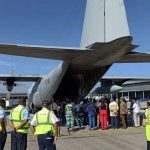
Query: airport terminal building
129, 89
140, 90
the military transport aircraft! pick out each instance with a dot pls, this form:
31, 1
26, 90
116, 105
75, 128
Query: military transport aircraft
115, 84
105, 40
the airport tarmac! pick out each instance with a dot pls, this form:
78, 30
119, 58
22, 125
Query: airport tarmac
119, 139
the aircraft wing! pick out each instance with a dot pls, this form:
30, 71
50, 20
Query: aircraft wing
97, 54
21, 78
134, 57
85, 56
121, 80
58, 53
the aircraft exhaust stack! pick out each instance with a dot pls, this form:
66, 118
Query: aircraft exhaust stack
104, 21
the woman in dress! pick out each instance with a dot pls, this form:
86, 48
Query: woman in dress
69, 116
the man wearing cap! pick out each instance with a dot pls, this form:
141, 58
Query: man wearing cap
3, 121
44, 126
18, 121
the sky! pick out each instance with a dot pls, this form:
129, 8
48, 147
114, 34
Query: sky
59, 23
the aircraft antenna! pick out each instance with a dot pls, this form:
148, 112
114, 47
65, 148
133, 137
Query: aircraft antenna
104, 21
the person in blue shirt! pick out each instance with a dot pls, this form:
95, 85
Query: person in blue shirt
91, 115
3, 122
18, 121
78, 112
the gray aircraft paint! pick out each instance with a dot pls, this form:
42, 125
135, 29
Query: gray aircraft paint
105, 20
100, 25
49, 84
97, 28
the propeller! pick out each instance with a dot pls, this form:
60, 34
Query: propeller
19, 84
11, 72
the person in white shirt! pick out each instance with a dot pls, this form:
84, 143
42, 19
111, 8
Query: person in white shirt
113, 107
45, 126
136, 112
3, 123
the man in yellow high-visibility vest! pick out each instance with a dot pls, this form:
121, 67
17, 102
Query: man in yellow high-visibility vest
44, 126
3, 122
18, 121
147, 123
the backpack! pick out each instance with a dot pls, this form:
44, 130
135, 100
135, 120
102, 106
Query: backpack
79, 111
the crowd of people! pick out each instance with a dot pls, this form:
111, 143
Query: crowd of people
102, 114
105, 113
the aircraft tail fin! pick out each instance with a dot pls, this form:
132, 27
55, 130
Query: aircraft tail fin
105, 20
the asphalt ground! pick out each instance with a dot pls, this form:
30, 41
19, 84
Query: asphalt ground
83, 139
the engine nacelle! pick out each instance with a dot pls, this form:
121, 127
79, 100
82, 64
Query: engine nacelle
9, 88
9, 84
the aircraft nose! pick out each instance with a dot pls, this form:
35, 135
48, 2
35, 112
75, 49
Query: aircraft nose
115, 88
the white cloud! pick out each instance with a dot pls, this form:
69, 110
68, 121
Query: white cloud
49, 66
6, 63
